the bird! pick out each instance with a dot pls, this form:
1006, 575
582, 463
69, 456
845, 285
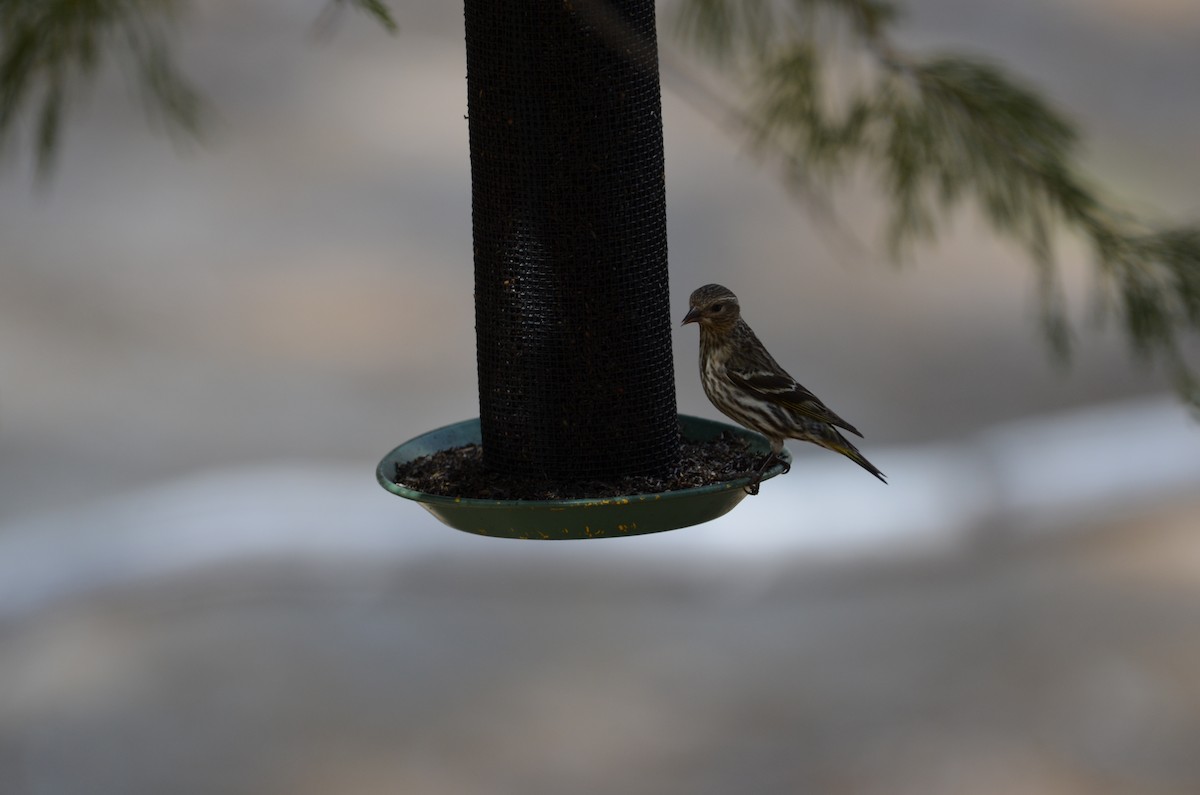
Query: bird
745, 383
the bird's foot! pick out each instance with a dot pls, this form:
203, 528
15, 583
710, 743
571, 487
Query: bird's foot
767, 463
752, 487
772, 460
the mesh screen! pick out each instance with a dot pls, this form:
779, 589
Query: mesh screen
572, 310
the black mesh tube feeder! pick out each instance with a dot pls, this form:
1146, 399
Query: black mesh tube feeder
572, 315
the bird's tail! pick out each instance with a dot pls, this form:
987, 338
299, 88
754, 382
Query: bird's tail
831, 439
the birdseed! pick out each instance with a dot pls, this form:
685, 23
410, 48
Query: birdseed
459, 472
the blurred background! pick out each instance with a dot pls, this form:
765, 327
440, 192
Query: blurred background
205, 350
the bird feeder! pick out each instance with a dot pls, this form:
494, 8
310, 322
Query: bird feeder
572, 314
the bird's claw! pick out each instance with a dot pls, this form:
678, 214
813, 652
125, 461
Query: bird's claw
752, 488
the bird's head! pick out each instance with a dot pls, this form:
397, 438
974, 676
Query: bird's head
713, 307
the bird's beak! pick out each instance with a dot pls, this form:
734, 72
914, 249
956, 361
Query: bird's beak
692, 316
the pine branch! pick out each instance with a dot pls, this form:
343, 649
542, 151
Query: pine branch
379, 10
328, 20
941, 131
51, 49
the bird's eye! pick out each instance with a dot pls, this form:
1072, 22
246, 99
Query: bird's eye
718, 308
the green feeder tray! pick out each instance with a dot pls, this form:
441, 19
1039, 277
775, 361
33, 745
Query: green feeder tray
611, 517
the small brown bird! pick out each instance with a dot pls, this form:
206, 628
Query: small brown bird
746, 384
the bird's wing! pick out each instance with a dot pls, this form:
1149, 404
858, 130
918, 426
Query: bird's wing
782, 389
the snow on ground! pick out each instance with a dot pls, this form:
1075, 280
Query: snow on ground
1047, 473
